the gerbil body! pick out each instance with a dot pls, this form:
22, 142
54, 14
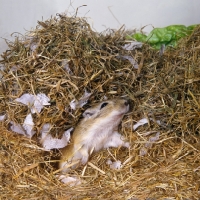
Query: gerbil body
96, 131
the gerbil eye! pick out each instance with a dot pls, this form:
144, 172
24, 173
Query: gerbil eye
103, 105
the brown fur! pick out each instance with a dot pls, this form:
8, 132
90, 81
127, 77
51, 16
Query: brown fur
97, 130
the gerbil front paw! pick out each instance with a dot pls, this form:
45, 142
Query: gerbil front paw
71, 181
116, 140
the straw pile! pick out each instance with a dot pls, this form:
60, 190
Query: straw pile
62, 58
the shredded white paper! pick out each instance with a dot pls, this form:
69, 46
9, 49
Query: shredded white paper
105, 98
140, 123
152, 140
143, 151
48, 142
26, 129
108, 162
33, 46
132, 45
2, 117
66, 66
17, 128
36, 103
131, 60
144, 121
82, 101
41, 100
27, 99
72, 181
114, 165
28, 126
73, 104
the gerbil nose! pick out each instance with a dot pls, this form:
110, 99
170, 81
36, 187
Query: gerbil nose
126, 102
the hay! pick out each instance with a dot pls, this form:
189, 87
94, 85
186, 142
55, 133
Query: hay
35, 64
62, 58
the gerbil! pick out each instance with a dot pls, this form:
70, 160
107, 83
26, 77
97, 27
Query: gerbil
96, 131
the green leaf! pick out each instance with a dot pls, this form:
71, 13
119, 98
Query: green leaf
139, 37
168, 35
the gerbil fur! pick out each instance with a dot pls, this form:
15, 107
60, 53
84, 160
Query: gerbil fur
96, 131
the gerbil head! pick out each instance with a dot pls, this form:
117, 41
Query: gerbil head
115, 107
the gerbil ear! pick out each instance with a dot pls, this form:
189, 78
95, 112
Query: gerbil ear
88, 114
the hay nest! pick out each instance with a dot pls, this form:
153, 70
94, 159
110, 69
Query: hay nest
62, 58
